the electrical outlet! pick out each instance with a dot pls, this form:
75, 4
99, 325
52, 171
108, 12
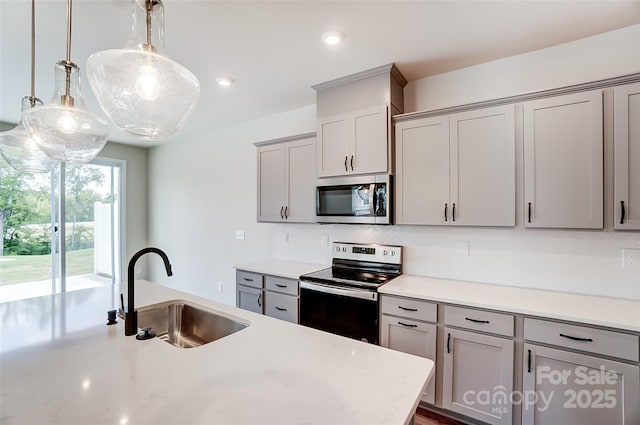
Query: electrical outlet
286, 238
631, 258
240, 235
463, 249
220, 287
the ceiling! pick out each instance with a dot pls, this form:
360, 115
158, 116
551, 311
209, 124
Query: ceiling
273, 49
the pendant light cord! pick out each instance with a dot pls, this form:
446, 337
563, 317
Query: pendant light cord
68, 30
32, 98
67, 99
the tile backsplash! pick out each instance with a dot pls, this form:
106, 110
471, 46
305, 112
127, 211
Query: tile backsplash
588, 262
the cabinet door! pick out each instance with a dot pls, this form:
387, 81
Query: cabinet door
333, 147
576, 389
483, 167
627, 157
422, 171
563, 174
478, 376
301, 177
410, 336
248, 298
368, 141
271, 183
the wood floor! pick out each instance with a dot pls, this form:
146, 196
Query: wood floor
424, 417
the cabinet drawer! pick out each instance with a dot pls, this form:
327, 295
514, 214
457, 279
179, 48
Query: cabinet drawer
408, 307
248, 278
281, 306
281, 284
598, 341
479, 320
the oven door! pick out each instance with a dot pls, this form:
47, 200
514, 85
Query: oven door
348, 312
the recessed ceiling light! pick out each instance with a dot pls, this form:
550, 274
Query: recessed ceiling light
225, 81
332, 37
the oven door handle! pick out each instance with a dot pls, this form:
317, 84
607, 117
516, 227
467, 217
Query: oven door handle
352, 293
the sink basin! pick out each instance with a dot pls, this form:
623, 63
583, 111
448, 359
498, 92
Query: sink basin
186, 325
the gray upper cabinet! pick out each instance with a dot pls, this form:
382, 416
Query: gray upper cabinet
354, 121
457, 169
627, 157
563, 161
286, 180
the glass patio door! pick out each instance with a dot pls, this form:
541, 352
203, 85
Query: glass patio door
61, 231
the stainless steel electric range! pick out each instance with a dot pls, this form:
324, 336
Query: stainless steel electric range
343, 299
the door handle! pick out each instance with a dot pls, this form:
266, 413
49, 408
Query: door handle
622, 212
445, 211
345, 164
286, 217
529, 362
260, 300
453, 212
351, 162
448, 343
529, 212
281, 215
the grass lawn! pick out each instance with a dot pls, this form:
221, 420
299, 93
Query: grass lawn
29, 268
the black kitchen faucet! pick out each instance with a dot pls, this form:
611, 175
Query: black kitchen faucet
130, 314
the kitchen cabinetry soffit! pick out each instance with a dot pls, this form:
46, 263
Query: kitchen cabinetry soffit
354, 121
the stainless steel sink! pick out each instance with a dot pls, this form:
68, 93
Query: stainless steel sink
185, 325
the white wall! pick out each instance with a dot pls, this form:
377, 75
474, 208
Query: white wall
202, 190
136, 215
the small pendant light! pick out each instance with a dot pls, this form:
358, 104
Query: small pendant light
64, 128
16, 145
139, 88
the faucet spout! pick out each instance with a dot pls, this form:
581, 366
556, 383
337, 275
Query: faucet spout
130, 314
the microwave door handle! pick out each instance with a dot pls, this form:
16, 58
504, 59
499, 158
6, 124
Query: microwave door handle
372, 204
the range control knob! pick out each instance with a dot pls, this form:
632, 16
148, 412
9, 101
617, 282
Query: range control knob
337, 249
344, 249
385, 252
393, 253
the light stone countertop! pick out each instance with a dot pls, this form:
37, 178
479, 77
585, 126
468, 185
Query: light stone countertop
283, 268
61, 364
602, 311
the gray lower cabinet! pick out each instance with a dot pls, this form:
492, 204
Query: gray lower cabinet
249, 291
281, 298
273, 296
403, 328
477, 378
567, 387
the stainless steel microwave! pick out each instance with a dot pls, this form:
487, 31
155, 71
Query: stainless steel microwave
354, 199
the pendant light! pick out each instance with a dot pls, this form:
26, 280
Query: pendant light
139, 88
16, 145
64, 128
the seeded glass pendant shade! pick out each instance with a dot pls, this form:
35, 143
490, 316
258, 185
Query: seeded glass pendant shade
17, 146
64, 129
20, 150
139, 88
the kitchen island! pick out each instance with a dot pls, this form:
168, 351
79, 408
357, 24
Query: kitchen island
61, 364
